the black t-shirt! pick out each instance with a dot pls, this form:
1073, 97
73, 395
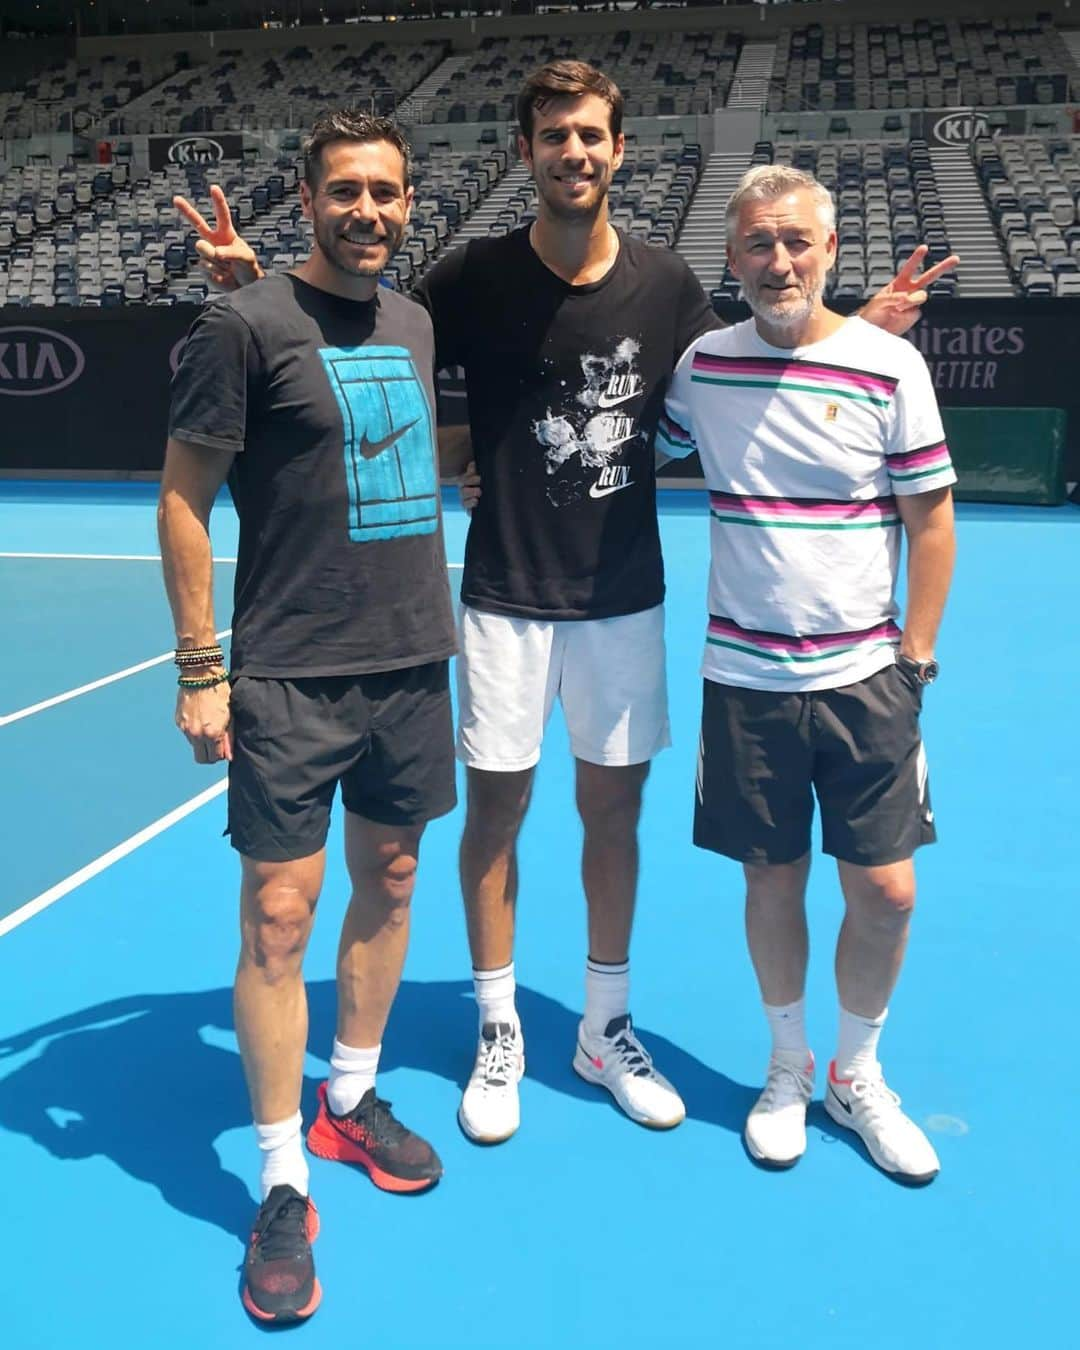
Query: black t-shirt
565, 384
341, 567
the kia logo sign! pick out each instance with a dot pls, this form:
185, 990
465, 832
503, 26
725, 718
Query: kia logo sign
960, 128
37, 361
196, 150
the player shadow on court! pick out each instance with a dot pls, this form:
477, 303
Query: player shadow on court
140, 1081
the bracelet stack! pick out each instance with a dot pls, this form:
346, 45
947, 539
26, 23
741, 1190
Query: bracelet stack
189, 660
211, 681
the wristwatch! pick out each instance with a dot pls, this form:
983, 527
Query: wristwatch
925, 672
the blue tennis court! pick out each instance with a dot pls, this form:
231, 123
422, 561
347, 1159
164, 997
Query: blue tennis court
126, 1150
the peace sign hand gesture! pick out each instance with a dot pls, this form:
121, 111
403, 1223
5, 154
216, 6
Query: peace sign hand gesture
230, 261
896, 306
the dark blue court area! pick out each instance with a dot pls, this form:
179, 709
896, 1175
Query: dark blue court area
126, 1150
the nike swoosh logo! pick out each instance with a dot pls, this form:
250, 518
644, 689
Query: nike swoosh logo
596, 491
369, 449
840, 1099
610, 445
605, 401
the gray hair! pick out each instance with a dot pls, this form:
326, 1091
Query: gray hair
766, 182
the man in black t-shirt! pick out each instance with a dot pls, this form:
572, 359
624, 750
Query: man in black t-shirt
315, 391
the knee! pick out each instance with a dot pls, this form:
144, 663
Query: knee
276, 924
494, 817
612, 807
888, 901
389, 880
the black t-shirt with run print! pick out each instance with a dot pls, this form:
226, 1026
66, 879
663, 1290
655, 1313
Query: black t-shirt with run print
565, 384
330, 404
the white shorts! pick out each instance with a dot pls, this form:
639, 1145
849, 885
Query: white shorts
608, 673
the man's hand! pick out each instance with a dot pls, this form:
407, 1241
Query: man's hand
896, 306
469, 487
230, 261
203, 716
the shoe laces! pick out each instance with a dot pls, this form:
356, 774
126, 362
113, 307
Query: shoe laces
496, 1067
627, 1049
878, 1100
785, 1085
380, 1122
281, 1231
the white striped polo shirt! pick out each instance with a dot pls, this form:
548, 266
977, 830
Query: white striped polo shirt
804, 452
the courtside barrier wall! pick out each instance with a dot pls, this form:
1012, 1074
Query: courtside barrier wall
87, 390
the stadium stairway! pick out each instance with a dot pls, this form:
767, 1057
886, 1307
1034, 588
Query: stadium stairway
702, 239
515, 181
751, 84
412, 108
1071, 39
971, 232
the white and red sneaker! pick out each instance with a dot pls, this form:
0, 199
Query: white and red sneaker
619, 1062
775, 1131
870, 1108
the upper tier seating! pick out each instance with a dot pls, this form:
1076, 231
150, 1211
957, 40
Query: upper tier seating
927, 63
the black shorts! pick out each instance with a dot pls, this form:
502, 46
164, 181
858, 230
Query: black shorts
764, 755
387, 738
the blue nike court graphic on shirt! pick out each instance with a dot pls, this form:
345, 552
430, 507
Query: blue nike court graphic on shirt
389, 454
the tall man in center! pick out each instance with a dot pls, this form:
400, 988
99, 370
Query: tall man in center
568, 332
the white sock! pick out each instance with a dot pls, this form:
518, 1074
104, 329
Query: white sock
495, 991
352, 1072
283, 1161
787, 1022
607, 994
856, 1050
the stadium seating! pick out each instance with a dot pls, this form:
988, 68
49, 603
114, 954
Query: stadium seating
927, 63
660, 74
89, 236
1032, 189
886, 201
286, 89
70, 96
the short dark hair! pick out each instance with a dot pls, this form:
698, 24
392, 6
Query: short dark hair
567, 79
352, 124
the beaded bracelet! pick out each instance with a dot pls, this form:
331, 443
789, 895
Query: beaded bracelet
197, 656
211, 683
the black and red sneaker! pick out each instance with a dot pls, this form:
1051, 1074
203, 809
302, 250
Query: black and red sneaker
279, 1273
370, 1135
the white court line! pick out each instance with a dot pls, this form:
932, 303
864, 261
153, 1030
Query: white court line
62, 888
8, 718
102, 557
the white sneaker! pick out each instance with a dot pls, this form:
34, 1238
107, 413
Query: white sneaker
619, 1062
872, 1110
775, 1130
490, 1111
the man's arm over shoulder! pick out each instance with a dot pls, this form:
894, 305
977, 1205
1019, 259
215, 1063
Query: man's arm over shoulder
675, 438
443, 293
694, 314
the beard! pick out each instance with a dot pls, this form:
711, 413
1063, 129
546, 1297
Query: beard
787, 313
587, 209
338, 253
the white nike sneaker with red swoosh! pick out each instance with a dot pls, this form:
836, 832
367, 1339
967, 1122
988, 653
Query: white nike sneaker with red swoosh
619, 1062
872, 1110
